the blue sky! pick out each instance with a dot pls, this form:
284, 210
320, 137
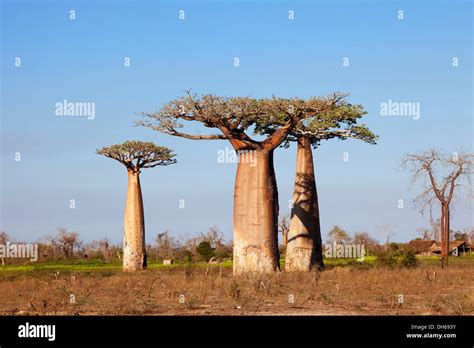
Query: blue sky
408, 60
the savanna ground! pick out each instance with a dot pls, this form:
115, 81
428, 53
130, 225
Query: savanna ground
344, 288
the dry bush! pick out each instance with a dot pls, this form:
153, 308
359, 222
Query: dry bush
190, 291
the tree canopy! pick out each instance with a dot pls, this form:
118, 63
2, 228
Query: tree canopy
323, 118
338, 235
139, 154
233, 116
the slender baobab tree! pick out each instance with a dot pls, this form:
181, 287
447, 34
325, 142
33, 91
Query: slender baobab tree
255, 192
135, 155
283, 228
331, 117
4, 238
441, 175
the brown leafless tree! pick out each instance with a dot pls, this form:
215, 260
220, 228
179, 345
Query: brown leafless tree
363, 238
425, 233
440, 175
165, 245
63, 242
435, 226
284, 228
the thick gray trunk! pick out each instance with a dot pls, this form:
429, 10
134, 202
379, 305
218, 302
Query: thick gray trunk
134, 254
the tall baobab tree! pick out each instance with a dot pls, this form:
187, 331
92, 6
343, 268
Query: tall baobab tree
255, 193
326, 118
441, 175
135, 155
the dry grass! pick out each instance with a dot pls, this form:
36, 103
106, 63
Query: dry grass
427, 290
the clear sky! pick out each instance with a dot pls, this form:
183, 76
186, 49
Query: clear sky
82, 60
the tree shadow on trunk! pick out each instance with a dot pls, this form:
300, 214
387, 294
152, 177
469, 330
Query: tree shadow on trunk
306, 209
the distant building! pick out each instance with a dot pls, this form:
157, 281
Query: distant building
424, 247
433, 248
459, 247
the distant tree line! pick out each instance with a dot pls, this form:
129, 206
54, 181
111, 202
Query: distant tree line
67, 245
205, 247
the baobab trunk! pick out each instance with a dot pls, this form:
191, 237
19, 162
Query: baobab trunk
303, 248
134, 254
255, 225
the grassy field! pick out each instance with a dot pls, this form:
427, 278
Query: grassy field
77, 265
95, 265
93, 287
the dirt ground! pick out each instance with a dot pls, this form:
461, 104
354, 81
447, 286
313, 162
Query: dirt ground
426, 290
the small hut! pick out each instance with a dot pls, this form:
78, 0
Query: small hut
424, 247
458, 247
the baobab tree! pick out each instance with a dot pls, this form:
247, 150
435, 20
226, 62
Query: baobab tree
255, 224
326, 118
135, 155
4, 238
441, 176
283, 228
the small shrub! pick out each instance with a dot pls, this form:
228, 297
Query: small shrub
387, 258
205, 250
393, 246
401, 257
408, 258
187, 257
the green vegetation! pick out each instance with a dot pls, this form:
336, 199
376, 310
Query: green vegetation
205, 250
88, 265
408, 258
